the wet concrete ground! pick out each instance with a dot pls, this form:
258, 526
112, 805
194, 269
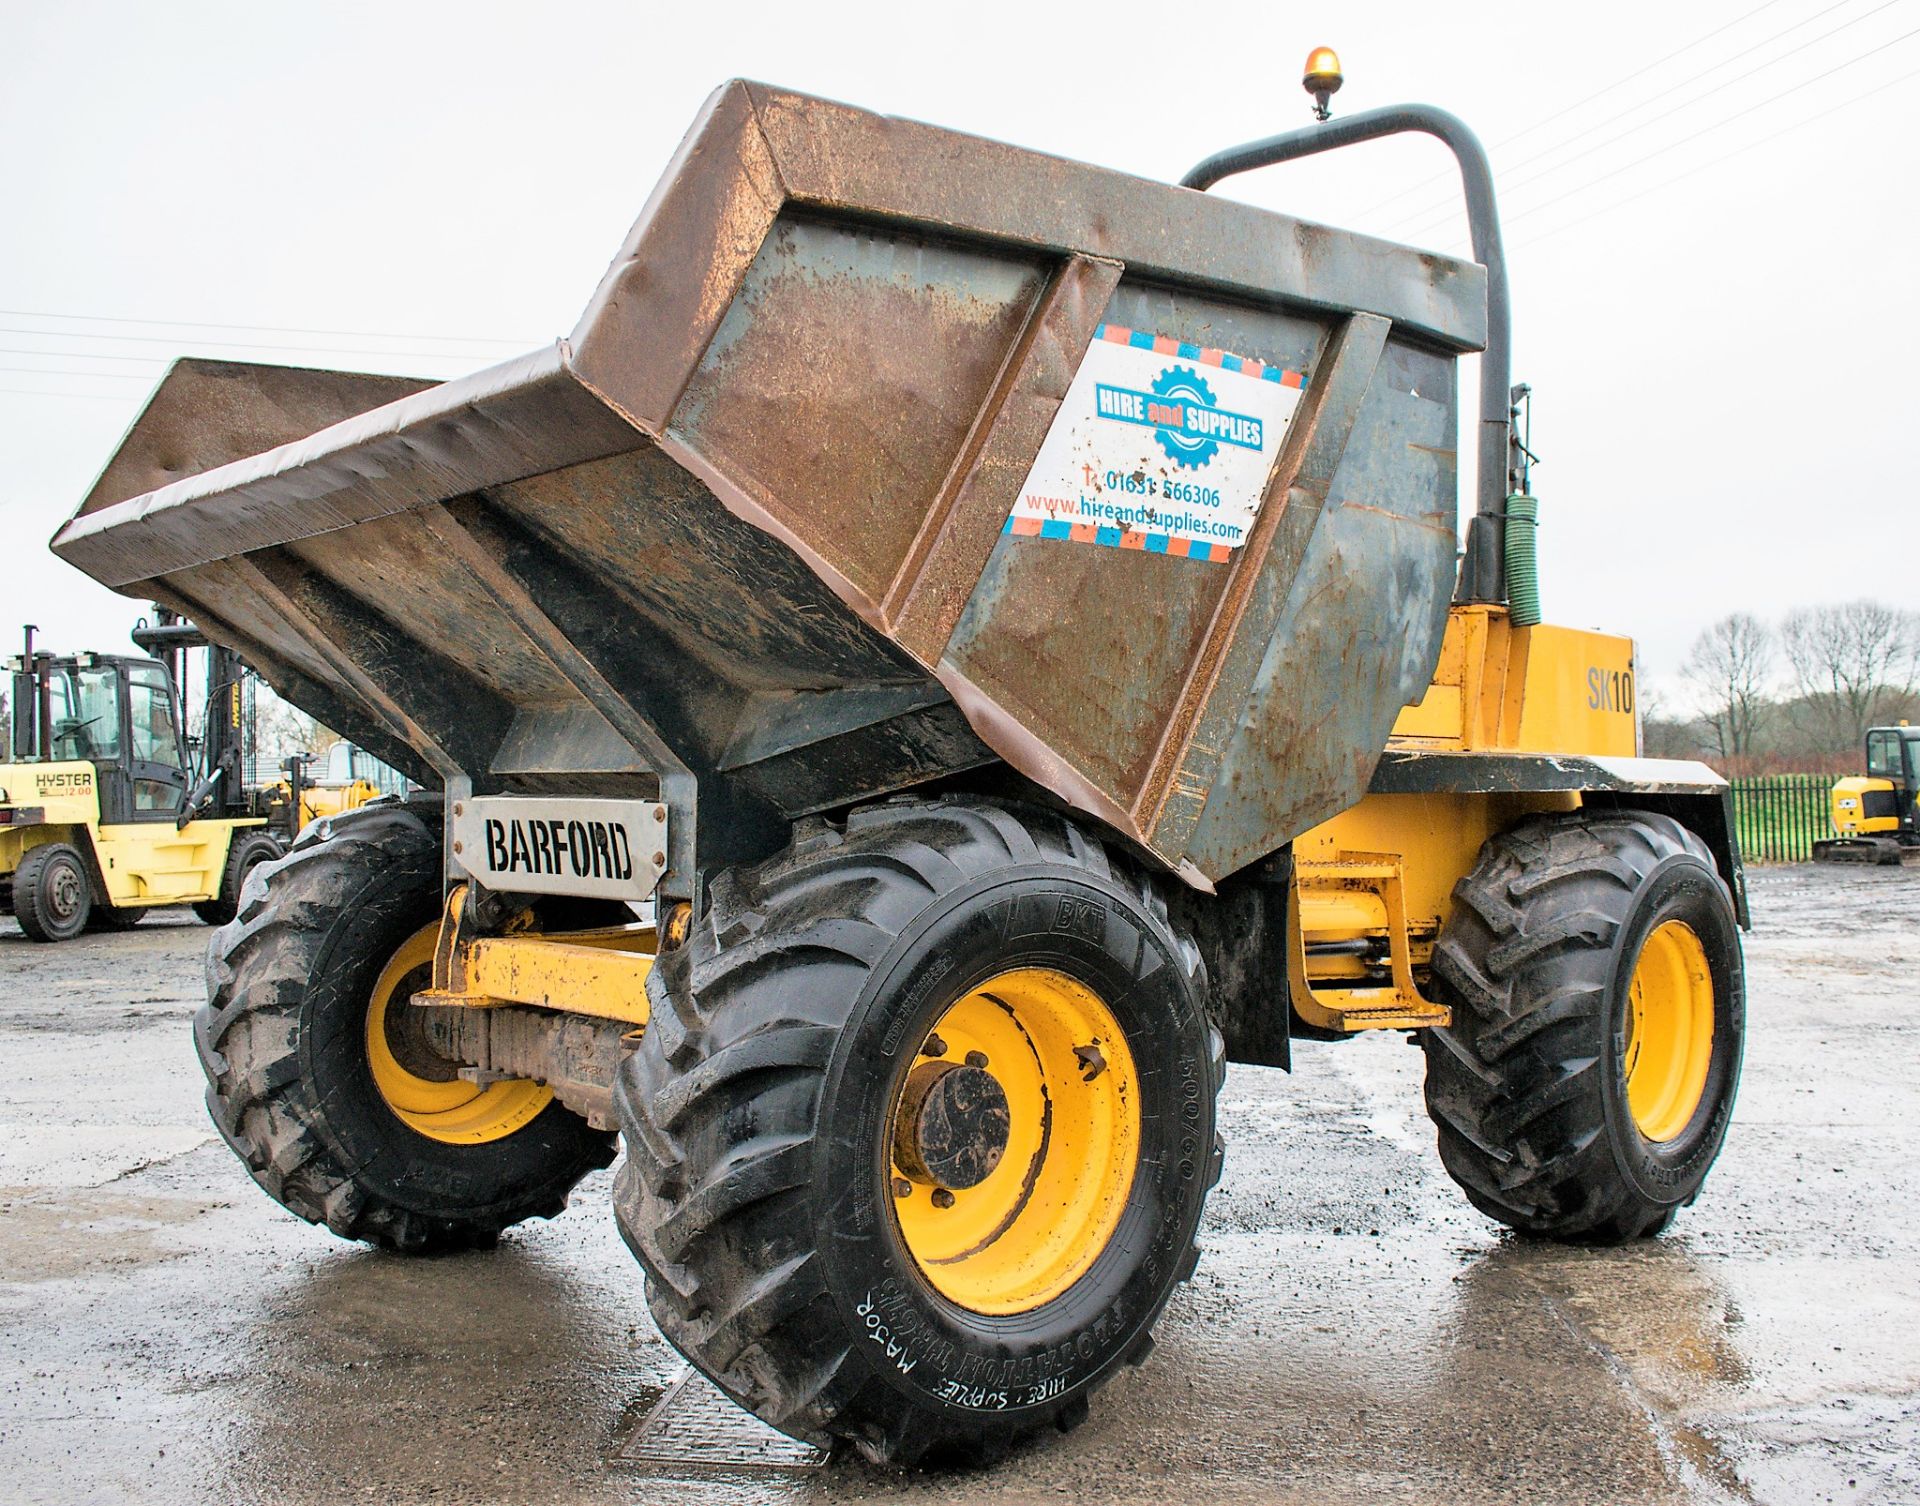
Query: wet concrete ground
1355, 1332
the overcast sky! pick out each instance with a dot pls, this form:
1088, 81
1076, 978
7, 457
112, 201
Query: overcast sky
1710, 212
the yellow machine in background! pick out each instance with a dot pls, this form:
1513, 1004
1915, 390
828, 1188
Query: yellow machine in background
101, 816
1878, 817
349, 776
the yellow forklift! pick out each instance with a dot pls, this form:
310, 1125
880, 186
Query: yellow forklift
103, 813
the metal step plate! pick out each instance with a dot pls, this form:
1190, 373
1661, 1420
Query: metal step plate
694, 1426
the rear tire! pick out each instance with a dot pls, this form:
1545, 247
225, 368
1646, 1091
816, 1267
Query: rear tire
288, 1053
1544, 1118
53, 892
246, 852
761, 1114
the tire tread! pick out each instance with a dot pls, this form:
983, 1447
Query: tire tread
248, 1038
764, 1328
1513, 1084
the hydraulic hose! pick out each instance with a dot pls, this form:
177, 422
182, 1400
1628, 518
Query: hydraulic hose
1523, 575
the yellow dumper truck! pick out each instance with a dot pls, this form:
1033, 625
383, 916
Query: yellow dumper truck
1007, 620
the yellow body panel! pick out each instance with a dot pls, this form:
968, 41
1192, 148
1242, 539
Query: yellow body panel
334, 800
64, 793
152, 863
64, 798
1578, 694
141, 863
1847, 802
1539, 690
1436, 836
322, 800
1496, 688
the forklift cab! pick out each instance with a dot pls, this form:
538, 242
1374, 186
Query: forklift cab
119, 714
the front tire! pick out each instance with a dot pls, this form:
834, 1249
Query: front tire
1592, 963
52, 892
952, 1011
314, 1079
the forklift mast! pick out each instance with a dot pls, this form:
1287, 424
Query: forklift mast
30, 701
221, 768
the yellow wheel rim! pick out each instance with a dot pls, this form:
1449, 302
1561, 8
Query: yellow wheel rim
441, 1106
1669, 1031
1063, 1107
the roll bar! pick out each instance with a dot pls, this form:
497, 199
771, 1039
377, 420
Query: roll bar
1483, 570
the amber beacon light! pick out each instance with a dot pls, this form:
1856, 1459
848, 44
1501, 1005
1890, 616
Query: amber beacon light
1323, 79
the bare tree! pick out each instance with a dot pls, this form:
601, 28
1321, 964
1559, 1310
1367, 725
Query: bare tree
1729, 663
1665, 732
1854, 663
281, 728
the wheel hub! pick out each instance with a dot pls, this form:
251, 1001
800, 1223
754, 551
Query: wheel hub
406, 1032
424, 1089
65, 891
953, 1125
1014, 1140
1669, 1032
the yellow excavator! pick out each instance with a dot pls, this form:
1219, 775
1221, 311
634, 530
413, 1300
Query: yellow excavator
1878, 816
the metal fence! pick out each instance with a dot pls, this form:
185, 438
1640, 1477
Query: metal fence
1781, 816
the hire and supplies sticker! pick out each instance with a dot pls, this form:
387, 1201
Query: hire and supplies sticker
1159, 445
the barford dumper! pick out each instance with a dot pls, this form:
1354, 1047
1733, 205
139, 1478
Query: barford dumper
956, 646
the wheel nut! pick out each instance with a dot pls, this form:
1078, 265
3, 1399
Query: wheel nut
934, 1047
942, 1198
902, 1187
976, 1058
